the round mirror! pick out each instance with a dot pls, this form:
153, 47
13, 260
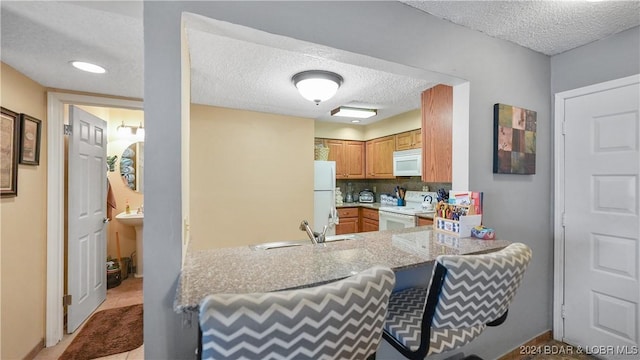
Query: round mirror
132, 166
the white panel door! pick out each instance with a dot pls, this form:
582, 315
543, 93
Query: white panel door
602, 291
87, 245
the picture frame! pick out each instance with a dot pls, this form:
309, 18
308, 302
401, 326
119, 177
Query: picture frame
514, 140
9, 147
30, 140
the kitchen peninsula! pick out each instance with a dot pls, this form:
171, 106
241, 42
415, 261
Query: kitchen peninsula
246, 270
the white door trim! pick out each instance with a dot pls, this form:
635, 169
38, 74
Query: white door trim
55, 201
559, 203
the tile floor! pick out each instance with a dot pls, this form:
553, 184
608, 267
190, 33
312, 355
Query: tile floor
129, 292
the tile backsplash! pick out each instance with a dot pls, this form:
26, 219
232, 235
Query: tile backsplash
387, 186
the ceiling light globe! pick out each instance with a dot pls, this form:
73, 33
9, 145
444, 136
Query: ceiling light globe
317, 85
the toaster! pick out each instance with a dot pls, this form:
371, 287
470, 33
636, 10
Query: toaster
366, 196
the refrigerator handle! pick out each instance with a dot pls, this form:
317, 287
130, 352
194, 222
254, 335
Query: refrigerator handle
333, 213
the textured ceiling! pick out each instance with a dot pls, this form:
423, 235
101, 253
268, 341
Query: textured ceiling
40, 38
255, 76
549, 27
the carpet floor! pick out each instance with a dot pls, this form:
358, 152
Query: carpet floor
107, 332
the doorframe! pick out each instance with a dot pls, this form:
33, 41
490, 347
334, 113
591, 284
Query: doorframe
558, 190
55, 200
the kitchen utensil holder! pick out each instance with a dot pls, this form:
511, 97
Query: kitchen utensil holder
464, 223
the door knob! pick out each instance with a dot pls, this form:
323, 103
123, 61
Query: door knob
105, 220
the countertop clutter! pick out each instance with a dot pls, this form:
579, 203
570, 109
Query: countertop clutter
243, 270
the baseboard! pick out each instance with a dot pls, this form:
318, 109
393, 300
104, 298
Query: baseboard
32, 354
538, 340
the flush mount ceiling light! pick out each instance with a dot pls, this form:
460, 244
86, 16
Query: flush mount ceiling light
88, 67
360, 113
317, 85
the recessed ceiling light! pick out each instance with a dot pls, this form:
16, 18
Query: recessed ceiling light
88, 67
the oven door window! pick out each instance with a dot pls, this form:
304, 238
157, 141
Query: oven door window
392, 221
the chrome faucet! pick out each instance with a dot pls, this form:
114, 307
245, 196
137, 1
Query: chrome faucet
315, 237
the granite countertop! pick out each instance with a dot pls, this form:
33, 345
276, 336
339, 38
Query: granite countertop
243, 270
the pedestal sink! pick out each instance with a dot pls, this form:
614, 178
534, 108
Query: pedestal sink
135, 220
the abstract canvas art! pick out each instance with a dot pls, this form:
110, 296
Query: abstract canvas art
514, 140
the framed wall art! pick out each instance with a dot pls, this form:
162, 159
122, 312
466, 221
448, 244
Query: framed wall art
9, 130
29, 140
514, 140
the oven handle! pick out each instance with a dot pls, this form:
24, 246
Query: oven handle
390, 215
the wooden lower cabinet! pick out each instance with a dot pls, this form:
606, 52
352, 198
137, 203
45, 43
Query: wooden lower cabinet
349, 221
356, 219
369, 225
369, 220
424, 221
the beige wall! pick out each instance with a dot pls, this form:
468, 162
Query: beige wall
23, 231
115, 146
410, 120
251, 178
330, 130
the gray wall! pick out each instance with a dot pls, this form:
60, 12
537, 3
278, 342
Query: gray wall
498, 71
611, 58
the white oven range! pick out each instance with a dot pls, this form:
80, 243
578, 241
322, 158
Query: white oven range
401, 217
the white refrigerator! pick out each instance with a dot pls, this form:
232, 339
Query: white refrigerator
324, 197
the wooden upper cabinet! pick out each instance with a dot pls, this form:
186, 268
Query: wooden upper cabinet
349, 158
355, 159
380, 157
437, 120
409, 140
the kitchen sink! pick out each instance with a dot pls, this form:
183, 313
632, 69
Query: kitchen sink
340, 237
279, 244
285, 244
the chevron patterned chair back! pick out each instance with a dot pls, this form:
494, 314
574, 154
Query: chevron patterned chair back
465, 294
338, 320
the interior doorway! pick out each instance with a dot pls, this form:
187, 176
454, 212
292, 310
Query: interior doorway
56, 196
597, 222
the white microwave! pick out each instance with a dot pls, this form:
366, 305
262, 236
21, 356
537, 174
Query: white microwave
407, 163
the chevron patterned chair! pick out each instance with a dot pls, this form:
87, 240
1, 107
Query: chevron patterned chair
466, 293
338, 320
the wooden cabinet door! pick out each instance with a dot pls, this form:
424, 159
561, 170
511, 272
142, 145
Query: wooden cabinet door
409, 140
347, 226
369, 225
337, 154
417, 138
380, 158
437, 120
355, 159
369, 159
348, 155
371, 214
424, 221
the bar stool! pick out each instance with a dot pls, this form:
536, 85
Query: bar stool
466, 293
338, 320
